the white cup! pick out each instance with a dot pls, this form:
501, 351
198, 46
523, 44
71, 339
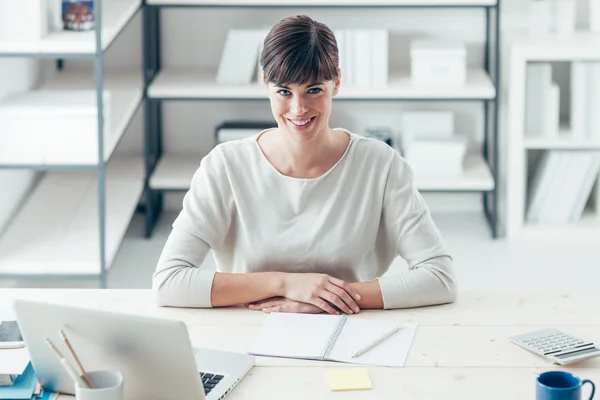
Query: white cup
108, 385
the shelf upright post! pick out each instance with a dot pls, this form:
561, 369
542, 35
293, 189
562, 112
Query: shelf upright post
486, 113
153, 114
496, 173
99, 84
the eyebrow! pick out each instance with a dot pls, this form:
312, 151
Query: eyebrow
308, 86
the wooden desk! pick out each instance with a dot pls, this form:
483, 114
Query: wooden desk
460, 351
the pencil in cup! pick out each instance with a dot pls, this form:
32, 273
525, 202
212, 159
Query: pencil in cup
76, 378
84, 374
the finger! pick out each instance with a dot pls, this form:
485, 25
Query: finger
324, 306
336, 301
342, 294
344, 285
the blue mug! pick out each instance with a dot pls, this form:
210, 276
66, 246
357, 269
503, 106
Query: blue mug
561, 385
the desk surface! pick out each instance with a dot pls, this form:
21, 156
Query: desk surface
460, 351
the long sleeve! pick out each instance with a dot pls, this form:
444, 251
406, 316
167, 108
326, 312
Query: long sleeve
413, 235
201, 225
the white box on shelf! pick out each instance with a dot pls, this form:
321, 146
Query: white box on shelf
438, 63
437, 155
540, 16
52, 127
23, 23
594, 15
419, 123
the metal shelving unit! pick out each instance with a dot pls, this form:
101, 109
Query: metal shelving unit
173, 172
56, 233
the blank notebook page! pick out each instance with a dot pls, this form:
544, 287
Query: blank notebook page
358, 333
294, 335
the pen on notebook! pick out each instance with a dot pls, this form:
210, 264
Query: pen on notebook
81, 369
376, 342
79, 380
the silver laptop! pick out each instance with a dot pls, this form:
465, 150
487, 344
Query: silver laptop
154, 355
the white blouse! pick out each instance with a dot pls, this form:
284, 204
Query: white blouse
350, 223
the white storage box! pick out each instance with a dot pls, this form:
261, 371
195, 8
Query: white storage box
437, 156
438, 63
52, 127
23, 23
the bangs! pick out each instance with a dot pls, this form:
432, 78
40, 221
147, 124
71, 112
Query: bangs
298, 67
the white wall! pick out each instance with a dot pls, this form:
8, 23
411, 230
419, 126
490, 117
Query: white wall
15, 75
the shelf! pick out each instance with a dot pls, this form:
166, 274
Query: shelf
322, 3
564, 141
127, 91
476, 177
586, 229
198, 84
56, 231
174, 172
115, 16
580, 46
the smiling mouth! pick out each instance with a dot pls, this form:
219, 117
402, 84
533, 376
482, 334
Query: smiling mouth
301, 123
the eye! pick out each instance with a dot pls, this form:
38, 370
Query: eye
284, 92
315, 90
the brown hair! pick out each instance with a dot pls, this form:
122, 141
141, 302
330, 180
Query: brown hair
298, 49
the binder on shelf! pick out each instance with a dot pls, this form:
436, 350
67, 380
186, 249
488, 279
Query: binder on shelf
538, 87
593, 101
561, 186
579, 103
240, 56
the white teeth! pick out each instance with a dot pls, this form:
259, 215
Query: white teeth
300, 123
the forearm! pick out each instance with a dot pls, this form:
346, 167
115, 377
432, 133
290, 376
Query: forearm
370, 294
230, 289
429, 283
178, 280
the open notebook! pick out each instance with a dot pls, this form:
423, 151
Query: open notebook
333, 338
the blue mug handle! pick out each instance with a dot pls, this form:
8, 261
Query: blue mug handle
593, 387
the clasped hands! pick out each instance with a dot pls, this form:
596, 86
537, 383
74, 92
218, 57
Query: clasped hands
311, 293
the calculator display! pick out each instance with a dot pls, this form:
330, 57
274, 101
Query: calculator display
576, 353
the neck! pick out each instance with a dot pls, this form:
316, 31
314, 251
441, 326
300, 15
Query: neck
303, 156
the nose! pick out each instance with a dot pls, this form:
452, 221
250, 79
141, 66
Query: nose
298, 105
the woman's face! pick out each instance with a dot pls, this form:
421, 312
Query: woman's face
302, 111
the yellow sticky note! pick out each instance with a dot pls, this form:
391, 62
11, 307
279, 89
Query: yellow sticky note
348, 379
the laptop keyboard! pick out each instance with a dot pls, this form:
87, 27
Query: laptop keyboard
210, 381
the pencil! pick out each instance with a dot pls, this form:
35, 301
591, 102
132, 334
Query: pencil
81, 369
376, 342
63, 361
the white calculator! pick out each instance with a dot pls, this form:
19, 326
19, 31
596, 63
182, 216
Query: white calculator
556, 346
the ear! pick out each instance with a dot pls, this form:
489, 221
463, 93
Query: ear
337, 82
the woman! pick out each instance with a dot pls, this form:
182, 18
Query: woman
302, 217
